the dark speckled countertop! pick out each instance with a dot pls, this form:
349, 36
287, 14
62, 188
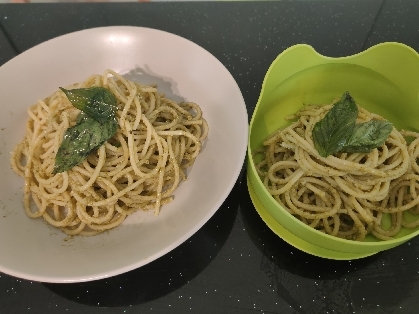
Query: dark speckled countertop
234, 264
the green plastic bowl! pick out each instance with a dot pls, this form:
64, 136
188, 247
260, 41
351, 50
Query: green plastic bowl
383, 79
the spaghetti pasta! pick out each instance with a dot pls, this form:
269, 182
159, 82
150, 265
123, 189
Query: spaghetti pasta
345, 195
139, 168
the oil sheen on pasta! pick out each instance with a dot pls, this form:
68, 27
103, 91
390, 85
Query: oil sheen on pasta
137, 169
346, 195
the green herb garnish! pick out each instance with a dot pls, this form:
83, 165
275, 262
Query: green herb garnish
97, 102
338, 132
332, 132
94, 126
367, 136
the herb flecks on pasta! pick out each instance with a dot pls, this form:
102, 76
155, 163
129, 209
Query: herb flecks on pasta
132, 157
346, 194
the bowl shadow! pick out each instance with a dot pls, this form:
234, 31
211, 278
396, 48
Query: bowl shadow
164, 275
147, 76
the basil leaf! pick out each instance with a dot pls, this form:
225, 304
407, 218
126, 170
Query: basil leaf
95, 124
367, 136
81, 140
98, 102
331, 133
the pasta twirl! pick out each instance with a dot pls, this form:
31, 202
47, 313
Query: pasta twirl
346, 194
138, 168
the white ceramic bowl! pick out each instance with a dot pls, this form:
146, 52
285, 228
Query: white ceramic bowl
33, 250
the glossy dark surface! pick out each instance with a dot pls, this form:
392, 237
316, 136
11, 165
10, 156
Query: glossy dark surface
234, 264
